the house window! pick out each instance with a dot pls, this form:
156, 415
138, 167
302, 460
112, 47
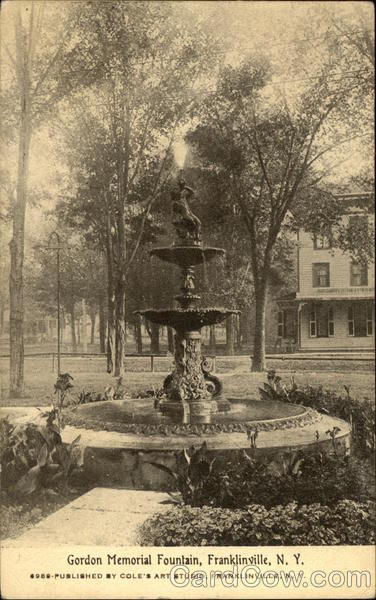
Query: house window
330, 322
360, 319
280, 324
369, 318
358, 274
321, 321
286, 324
312, 322
320, 275
321, 241
350, 320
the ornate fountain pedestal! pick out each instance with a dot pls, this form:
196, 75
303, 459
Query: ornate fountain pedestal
186, 389
190, 389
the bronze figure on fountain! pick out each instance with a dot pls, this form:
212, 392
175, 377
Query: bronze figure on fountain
191, 392
187, 225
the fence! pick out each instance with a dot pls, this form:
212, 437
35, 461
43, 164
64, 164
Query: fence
163, 363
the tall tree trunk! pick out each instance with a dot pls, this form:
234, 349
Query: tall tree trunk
102, 326
2, 310
93, 315
110, 329
62, 326
230, 335
154, 338
110, 298
73, 327
212, 340
258, 361
121, 247
171, 340
16, 317
84, 326
138, 334
245, 326
78, 331
120, 326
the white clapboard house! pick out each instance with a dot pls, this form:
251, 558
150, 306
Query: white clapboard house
333, 307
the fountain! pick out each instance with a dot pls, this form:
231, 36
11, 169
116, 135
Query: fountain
189, 390
123, 438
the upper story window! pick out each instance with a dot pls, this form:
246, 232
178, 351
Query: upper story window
358, 274
320, 275
321, 241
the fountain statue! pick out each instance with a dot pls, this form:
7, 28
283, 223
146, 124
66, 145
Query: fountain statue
187, 225
190, 390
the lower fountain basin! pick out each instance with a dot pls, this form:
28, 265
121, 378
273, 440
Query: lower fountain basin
120, 449
189, 319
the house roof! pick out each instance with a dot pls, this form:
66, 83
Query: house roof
363, 200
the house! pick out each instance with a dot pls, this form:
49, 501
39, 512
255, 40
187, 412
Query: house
333, 307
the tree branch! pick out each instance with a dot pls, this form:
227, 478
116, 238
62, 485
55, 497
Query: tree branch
10, 56
141, 149
151, 198
261, 160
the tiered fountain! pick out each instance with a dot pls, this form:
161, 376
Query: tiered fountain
189, 390
124, 438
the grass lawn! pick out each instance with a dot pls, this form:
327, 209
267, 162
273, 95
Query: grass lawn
238, 381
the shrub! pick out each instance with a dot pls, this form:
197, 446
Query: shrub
33, 456
347, 522
304, 478
360, 413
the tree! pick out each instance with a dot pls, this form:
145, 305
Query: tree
42, 66
268, 151
82, 278
229, 281
151, 57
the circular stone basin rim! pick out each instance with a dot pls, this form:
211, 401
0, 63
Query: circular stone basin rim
140, 418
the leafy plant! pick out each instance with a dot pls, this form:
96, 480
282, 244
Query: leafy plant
193, 474
120, 391
347, 522
62, 389
34, 458
359, 413
303, 478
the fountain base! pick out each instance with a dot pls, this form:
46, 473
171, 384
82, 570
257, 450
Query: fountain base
193, 412
121, 439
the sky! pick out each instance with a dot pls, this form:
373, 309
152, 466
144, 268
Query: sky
267, 27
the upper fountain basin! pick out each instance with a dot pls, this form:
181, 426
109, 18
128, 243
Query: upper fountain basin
189, 319
186, 256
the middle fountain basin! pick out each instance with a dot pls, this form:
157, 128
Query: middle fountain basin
187, 319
